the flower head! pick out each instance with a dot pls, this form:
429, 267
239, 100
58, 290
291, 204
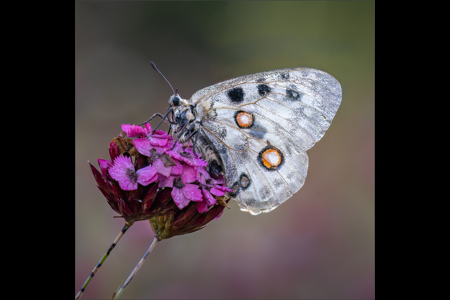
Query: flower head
151, 177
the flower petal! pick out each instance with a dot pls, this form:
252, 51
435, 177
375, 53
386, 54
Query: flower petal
133, 130
157, 141
120, 172
189, 174
148, 128
192, 192
202, 175
200, 162
165, 181
202, 206
104, 166
161, 169
211, 199
146, 175
217, 192
179, 153
178, 197
178, 169
142, 146
128, 185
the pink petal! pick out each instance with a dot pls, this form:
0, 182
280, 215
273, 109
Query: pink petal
223, 188
157, 141
202, 206
211, 199
217, 192
192, 192
200, 162
162, 134
165, 181
175, 153
148, 128
120, 167
203, 175
178, 197
146, 175
127, 184
178, 169
120, 171
104, 166
189, 174
161, 169
142, 146
133, 130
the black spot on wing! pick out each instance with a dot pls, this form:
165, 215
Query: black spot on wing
263, 89
235, 189
284, 76
293, 94
244, 181
236, 95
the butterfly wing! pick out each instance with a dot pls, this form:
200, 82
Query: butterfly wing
261, 126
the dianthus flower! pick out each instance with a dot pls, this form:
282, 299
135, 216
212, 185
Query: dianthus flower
152, 178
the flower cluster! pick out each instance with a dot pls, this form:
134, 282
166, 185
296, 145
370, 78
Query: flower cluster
162, 171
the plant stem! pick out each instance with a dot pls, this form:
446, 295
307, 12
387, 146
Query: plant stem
138, 266
83, 288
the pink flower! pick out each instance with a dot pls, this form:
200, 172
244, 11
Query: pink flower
123, 171
158, 183
175, 167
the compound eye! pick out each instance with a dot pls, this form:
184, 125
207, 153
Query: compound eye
175, 101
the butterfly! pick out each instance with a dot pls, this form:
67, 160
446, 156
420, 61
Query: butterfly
255, 130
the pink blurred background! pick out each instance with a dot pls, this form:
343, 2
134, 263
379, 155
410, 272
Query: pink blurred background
317, 245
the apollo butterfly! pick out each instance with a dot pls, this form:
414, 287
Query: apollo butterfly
256, 129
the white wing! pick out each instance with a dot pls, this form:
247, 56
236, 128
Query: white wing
261, 126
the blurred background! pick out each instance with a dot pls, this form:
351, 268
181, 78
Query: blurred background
317, 245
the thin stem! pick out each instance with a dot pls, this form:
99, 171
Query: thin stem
138, 266
83, 288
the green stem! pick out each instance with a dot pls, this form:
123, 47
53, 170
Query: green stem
138, 266
83, 288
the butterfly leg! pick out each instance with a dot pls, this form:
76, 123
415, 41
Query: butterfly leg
159, 115
178, 137
163, 118
151, 118
195, 141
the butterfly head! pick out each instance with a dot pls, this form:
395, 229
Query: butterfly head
175, 101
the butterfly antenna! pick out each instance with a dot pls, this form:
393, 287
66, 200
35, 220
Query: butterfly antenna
156, 69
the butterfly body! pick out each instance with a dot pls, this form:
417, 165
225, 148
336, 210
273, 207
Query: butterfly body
256, 129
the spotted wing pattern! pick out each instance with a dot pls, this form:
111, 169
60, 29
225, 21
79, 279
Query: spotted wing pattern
261, 125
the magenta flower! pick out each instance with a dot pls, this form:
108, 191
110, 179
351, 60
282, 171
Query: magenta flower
123, 171
160, 166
